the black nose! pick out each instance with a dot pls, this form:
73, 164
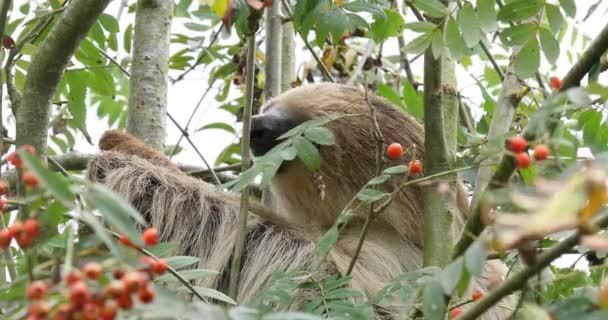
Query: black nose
266, 128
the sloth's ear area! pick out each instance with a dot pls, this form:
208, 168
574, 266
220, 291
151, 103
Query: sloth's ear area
267, 127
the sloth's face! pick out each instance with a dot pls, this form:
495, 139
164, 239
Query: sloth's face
267, 127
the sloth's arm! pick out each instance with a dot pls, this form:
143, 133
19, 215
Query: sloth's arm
114, 140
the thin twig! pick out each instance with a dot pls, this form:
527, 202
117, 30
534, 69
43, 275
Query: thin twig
201, 56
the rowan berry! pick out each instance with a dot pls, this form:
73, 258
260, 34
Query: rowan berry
394, 151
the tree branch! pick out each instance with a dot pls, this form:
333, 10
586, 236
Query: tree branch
272, 67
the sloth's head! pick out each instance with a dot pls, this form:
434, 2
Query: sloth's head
345, 166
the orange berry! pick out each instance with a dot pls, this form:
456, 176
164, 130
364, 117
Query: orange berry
133, 281
64, 311
28, 148
14, 159
31, 227
79, 292
92, 270
555, 83
523, 160
477, 295
517, 144
3, 187
541, 152
97, 298
159, 267
72, 277
455, 312
415, 166
150, 237
3, 203
108, 312
5, 238
146, 294
39, 310
16, 228
115, 289
394, 151
29, 179
125, 302
126, 242
37, 290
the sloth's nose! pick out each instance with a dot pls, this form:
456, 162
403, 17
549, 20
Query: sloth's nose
266, 128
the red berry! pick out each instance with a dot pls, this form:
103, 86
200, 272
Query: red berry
64, 311
126, 242
146, 294
541, 152
97, 298
394, 151
3, 187
115, 289
91, 311
118, 273
29, 179
28, 148
92, 270
5, 238
37, 290
125, 302
133, 281
16, 228
13, 158
3, 203
159, 267
555, 83
31, 227
39, 310
455, 312
150, 237
108, 312
415, 166
477, 295
517, 144
79, 292
24, 240
523, 160
72, 277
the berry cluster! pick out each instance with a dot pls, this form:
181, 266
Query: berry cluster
519, 145
24, 233
394, 152
86, 299
477, 294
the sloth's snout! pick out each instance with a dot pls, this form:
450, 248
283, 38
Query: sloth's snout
266, 128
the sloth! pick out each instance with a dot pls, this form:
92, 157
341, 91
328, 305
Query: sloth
283, 231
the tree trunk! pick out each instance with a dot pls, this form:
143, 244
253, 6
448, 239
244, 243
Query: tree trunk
46, 70
288, 58
149, 72
272, 67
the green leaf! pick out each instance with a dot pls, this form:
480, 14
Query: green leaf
320, 135
487, 15
569, 7
178, 262
437, 44
328, 240
450, 276
214, 294
413, 101
100, 231
289, 153
391, 26
336, 22
433, 305
127, 38
400, 169
554, 15
308, 153
77, 81
196, 26
519, 10
217, 125
469, 24
193, 274
364, 6
419, 44
109, 23
475, 257
370, 195
116, 210
455, 42
549, 44
527, 60
378, 180
389, 94
419, 26
518, 34
433, 8
55, 183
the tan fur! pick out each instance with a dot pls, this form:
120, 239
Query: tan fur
114, 140
202, 219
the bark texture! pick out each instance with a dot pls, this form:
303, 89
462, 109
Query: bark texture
272, 67
149, 71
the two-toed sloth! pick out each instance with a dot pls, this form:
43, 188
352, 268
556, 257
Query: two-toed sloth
283, 233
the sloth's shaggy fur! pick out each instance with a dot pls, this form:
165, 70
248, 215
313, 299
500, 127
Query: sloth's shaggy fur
282, 235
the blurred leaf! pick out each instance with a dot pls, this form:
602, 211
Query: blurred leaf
475, 256
454, 40
518, 34
365, 6
368, 195
569, 7
530, 311
433, 305
320, 135
420, 26
109, 23
389, 94
549, 44
400, 169
54, 182
433, 8
469, 24
555, 17
217, 125
193, 274
419, 44
214, 294
450, 276
389, 26
487, 15
518, 10
181, 261
308, 153
527, 60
